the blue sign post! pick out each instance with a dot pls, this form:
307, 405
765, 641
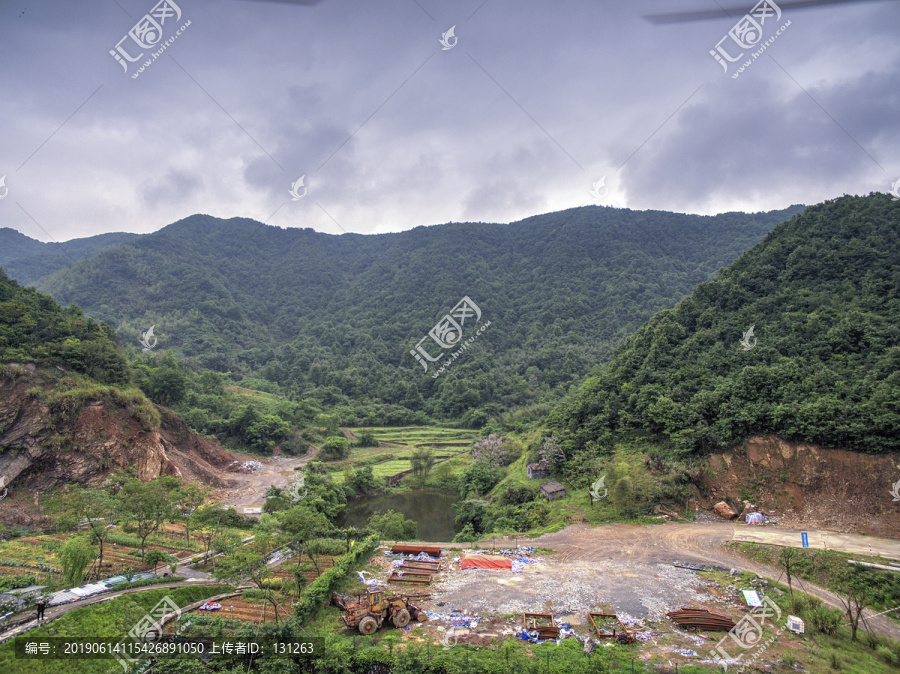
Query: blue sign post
805, 539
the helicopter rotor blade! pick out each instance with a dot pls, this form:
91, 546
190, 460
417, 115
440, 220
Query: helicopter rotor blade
709, 14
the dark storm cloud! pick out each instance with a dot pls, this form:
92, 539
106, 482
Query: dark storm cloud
174, 186
534, 103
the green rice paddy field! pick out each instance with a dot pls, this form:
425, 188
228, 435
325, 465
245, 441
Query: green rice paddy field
396, 445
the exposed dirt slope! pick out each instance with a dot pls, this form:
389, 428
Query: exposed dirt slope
40, 451
807, 485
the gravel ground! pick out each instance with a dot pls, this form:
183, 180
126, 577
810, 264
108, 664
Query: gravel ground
570, 590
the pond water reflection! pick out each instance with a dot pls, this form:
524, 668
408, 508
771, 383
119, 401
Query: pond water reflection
431, 508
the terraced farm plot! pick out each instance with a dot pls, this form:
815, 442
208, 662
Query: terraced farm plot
248, 609
286, 570
38, 554
396, 445
419, 436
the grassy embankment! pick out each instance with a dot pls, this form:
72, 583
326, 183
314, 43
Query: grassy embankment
829, 569
107, 620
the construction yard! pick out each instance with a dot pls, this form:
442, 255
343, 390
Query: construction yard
482, 607
637, 573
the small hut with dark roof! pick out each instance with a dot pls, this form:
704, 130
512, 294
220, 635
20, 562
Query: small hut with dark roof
552, 490
537, 470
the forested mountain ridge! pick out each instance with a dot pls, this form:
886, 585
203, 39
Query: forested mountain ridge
822, 294
336, 316
27, 260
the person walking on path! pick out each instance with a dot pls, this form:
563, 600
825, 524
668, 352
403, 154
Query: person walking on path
40, 609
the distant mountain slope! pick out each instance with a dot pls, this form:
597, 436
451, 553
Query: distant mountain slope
340, 314
26, 260
822, 294
15, 245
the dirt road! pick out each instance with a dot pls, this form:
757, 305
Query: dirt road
251, 492
703, 543
696, 542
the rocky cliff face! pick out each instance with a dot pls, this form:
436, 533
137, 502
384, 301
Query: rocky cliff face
807, 485
39, 451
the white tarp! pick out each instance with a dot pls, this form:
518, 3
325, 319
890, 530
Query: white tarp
87, 590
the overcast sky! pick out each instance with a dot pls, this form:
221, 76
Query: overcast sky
531, 104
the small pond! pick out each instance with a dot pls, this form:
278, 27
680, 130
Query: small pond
431, 508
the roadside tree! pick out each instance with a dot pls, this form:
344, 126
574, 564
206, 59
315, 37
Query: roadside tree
75, 555
148, 505
96, 508
188, 498
301, 524
248, 563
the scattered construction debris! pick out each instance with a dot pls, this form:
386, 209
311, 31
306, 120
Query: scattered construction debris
699, 567
400, 571
619, 631
795, 625
415, 549
542, 623
401, 577
432, 567
700, 618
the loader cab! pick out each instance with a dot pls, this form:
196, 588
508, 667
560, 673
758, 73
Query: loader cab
375, 597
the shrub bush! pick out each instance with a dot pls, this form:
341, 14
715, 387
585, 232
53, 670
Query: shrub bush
804, 603
886, 654
517, 494
15, 582
319, 591
335, 448
326, 546
367, 439
826, 620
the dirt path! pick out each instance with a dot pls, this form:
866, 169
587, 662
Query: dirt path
251, 492
821, 540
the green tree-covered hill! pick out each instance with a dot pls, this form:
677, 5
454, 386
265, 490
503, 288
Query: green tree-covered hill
26, 260
35, 329
335, 317
822, 293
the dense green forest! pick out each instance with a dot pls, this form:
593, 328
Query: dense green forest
35, 329
332, 319
822, 293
